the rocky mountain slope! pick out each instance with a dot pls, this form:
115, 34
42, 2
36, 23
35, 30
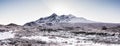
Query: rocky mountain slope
68, 21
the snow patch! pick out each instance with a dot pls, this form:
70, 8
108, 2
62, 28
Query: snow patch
6, 35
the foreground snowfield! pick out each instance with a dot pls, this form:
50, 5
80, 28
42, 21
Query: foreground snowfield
60, 38
69, 41
79, 40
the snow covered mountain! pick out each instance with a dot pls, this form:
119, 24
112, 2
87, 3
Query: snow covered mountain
54, 18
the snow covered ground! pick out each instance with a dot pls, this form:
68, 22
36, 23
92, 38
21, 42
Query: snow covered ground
6, 35
71, 41
63, 38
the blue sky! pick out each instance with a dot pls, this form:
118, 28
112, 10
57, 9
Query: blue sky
22, 11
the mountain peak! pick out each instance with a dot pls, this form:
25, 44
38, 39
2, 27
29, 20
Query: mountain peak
54, 15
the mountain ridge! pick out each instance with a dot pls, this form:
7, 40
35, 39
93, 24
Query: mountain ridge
54, 18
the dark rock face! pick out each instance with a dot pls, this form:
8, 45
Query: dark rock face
31, 24
52, 16
2, 30
104, 28
93, 33
12, 24
49, 24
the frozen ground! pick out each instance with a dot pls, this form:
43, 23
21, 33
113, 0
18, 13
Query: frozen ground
60, 38
6, 35
77, 41
69, 39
